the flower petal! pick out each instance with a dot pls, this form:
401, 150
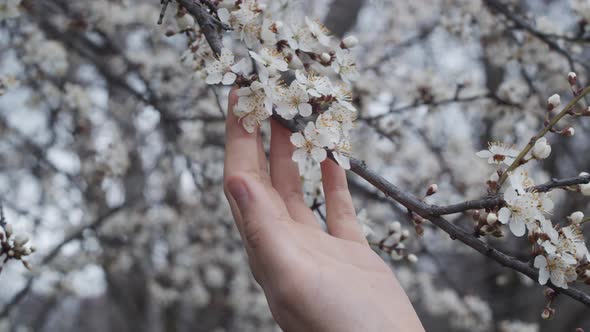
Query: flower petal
318, 154
517, 226
305, 109
229, 78
504, 215
297, 139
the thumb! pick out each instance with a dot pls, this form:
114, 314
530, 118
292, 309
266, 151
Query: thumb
257, 214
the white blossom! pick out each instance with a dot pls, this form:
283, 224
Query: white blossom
345, 65
310, 145
315, 85
293, 100
270, 59
577, 217
244, 21
255, 102
498, 153
541, 149
524, 208
318, 31
557, 269
224, 70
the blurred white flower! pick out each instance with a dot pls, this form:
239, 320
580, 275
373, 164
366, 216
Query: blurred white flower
76, 98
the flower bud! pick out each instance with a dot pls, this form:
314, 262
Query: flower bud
395, 255
20, 240
405, 234
432, 189
395, 227
572, 78
548, 313
542, 149
476, 214
10, 253
585, 189
569, 132
419, 230
553, 102
412, 258
350, 42
491, 219
279, 25
549, 293
326, 57
576, 217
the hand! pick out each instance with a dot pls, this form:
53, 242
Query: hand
313, 280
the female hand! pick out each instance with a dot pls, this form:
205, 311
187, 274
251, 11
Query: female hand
313, 280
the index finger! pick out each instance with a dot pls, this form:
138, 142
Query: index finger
241, 147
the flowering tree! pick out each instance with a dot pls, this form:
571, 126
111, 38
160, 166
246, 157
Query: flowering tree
111, 131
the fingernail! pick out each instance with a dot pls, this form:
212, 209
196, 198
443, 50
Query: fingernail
238, 191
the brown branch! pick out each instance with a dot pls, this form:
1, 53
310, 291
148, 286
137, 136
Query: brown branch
408, 200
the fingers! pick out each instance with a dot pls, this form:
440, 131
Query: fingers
285, 176
242, 150
341, 216
253, 202
259, 221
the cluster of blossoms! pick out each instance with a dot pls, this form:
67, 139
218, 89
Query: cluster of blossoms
300, 53
393, 243
560, 253
14, 246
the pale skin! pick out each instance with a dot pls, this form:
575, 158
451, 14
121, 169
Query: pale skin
313, 280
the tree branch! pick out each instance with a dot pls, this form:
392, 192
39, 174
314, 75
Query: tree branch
408, 200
